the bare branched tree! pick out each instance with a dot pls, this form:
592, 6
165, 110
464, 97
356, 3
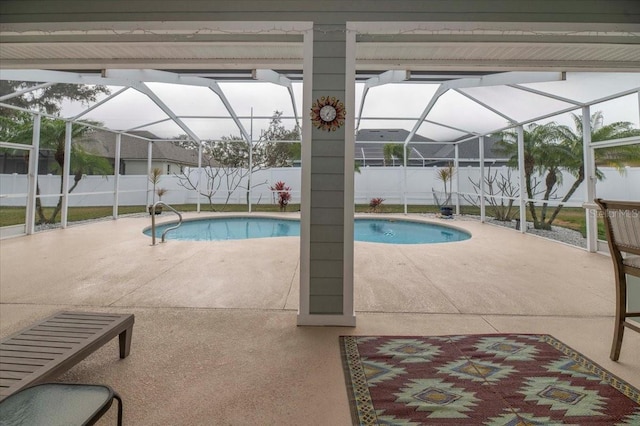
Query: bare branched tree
500, 194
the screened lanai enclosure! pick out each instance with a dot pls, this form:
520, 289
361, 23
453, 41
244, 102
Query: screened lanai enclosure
326, 106
214, 139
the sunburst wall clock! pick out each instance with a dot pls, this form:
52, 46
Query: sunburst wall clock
327, 113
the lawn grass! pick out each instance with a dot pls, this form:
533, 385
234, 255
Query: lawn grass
569, 217
16, 215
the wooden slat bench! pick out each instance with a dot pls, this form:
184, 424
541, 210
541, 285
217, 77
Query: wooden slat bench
50, 347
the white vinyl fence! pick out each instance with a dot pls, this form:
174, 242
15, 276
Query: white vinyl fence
372, 182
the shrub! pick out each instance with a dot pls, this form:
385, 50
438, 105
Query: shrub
375, 204
284, 196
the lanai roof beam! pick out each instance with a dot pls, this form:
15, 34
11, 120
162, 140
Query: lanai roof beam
131, 129
215, 88
457, 129
486, 80
165, 108
63, 77
484, 105
554, 113
391, 76
279, 79
172, 78
545, 94
97, 104
27, 90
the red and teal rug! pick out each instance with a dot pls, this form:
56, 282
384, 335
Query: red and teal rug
496, 379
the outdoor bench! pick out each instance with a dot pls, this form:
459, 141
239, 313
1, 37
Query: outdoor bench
52, 346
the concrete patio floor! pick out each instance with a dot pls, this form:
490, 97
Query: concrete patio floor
216, 341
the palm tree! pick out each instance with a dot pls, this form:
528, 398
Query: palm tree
551, 148
616, 157
542, 156
52, 138
391, 150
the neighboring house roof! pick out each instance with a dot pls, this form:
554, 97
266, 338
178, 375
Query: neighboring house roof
370, 147
103, 143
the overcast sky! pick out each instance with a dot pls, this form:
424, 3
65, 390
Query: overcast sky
405, 100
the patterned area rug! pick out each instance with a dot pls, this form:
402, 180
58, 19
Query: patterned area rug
496, 379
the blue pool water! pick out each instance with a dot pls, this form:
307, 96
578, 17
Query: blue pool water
369, 230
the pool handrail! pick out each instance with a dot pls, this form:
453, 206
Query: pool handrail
153, 221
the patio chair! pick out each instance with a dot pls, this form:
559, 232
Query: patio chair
622, 226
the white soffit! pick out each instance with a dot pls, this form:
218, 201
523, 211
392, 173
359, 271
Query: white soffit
499, 55
282, 55
498, 45
151, 52
278, 45
170, 45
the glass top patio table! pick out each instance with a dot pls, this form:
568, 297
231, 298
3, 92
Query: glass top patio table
53, 404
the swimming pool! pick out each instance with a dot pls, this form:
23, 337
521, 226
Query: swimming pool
369, 230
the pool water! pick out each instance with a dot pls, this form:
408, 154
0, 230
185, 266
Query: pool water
405, 232
369, 230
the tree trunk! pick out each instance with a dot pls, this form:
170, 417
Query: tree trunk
573, 189
532, 208
550, 182
39, 210
76, 180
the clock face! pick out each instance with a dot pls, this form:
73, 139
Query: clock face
328, 113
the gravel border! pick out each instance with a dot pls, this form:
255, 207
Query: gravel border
557, 233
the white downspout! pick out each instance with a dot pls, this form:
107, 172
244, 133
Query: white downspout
33, 176
116, 175
456, 170
66, 167
482, 189
149, 165
523, 192
590, 179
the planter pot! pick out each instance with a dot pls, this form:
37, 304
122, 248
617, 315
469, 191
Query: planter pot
158, 210
446, 211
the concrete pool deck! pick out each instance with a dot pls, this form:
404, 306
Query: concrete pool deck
215, 339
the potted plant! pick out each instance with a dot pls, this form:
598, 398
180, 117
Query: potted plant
160, 192
154, 178
444, 174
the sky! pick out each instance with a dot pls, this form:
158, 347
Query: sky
400, 103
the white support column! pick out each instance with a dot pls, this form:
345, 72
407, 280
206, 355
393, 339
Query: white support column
250, 142
199, 185
456, 166
34, 153
149, 166
482, 189
305, 193
250, 174
523, 191
590, 180
349, 312
404, 178
66, 167
116, 175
